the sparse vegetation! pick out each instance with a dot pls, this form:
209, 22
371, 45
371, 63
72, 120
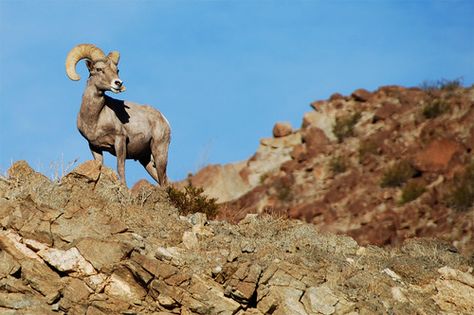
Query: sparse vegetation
192, 200
461, 197
435, 108
411, 191
344, 126
338, 165
398, 174
442, 84
366, 148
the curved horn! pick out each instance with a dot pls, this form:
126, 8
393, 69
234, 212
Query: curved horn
114, 56
79, 52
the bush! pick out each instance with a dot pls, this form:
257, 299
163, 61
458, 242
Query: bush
461, 197
398, 174
411, 191
344, 126
435, 108
443, 84
367, 147
338, 165
192, 200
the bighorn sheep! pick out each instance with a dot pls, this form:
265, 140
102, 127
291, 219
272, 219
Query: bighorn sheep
125, 129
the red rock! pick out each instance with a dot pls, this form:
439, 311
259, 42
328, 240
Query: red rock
386, 111
361, 95
282, 129
437, 155
336, 96
315, 141
299, 153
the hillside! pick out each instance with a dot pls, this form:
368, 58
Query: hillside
381, 167
87, 245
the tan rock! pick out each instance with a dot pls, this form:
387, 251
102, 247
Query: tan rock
17, 303
282, 300
320, 300
67, 261
75, 291
8, 265
210, 293
190, 240
11, 243
159, 269
40, 277
123, 285
455, 290
101, 253
89, 170
282, 129
243, 283
322, 120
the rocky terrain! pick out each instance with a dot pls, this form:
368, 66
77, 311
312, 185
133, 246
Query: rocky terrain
381, 167
87, 245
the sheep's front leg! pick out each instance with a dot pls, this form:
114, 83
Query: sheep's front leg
121, 152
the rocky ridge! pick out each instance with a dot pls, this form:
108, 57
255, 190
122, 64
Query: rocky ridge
335, 170
87, 245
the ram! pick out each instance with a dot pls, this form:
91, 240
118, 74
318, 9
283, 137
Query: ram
124, 129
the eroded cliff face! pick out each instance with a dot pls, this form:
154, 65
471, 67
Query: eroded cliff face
339, 170
87, 245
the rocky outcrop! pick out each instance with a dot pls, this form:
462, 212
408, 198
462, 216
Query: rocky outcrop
330, 172
91, 246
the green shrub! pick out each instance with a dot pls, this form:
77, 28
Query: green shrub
398, 174
338, 165
411, 191
192, 200
461, 197
344, 126
435, 108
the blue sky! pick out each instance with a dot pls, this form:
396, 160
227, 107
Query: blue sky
223, 72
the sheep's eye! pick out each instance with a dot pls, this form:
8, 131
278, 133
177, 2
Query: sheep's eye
100, 70
118, 71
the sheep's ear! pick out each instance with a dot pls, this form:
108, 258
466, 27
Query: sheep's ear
89, 64
114, 56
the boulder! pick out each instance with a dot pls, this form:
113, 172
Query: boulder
437, 155
101, 253
361, 95
282, 129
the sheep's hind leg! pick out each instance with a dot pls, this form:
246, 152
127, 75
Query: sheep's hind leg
159, 150
149, 165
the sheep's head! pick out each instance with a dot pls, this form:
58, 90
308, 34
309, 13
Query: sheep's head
102, 69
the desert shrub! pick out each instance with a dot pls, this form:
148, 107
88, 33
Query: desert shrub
338, 165
442, 84
411, 191
191, 200
344, 126
397, 174
366, 148
461, 196
435, 108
